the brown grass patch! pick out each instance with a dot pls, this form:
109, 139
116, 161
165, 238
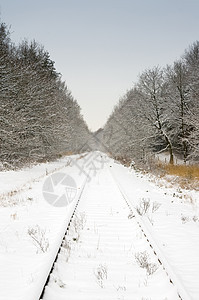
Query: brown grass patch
189, 172
186, 176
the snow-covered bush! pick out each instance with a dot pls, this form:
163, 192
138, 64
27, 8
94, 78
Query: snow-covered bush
66, 248
78, 224
143, 207
38, 236
185, 219
155, 206
101, 274
143, 260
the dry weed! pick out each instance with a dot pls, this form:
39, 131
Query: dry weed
187, 176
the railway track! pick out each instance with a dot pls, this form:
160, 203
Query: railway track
107, 251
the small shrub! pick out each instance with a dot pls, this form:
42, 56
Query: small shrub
79, 222
142, 258
143, 206
101, 274
60, 283
155, 206
39, 239
67, 248
185, 219
195, 219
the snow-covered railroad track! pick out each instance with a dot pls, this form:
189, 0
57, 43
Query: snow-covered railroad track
108, 253
59, 248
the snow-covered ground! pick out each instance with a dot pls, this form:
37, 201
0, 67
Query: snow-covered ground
24, 265
174, 226
101, 264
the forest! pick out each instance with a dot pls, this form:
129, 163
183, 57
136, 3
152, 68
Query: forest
39, 118
159, 114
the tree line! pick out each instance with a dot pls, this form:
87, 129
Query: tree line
39, 118
159, 113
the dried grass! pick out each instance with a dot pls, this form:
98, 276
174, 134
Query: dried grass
187, 176
189, 172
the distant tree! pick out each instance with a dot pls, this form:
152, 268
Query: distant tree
125, 133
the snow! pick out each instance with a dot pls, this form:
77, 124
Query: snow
108, 241
164, 157
20, 179
23, 265
174, 227
176, 238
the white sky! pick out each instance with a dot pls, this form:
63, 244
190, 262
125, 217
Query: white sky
101, 46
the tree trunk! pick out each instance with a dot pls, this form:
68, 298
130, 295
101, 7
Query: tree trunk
171, 159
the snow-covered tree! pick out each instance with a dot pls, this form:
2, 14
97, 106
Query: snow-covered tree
179, 103
159, 113
38, 115
153, 96
191, 58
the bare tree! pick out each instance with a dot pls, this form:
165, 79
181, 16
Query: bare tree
159, 113
178, 88
191, 58
153, 92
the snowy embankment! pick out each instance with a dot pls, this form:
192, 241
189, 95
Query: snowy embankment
172, 219
174, 225
30, 229
14, 181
